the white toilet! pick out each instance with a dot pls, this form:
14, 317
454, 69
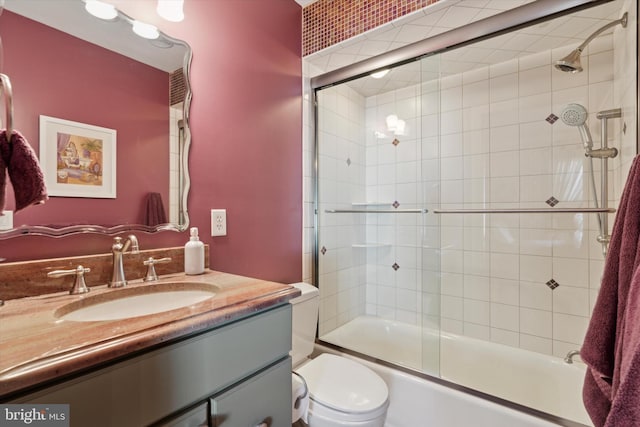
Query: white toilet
342, 392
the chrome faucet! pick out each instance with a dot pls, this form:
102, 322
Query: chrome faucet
118, 249
569, 357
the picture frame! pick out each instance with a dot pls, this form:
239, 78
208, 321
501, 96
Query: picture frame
77, 159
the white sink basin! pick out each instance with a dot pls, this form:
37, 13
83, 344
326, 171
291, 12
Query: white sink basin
134, 302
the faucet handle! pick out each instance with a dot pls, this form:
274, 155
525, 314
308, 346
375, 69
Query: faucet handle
79, 286
151, 275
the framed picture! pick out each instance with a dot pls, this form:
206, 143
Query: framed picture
77, 159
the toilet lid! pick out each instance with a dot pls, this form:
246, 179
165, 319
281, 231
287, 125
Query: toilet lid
343, 384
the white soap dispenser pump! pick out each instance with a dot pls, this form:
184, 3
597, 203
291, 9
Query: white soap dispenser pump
194, 254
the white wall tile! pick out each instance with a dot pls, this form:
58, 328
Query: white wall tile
506, 317
505, 291
569, 328
536, 295
571, 300
536, 322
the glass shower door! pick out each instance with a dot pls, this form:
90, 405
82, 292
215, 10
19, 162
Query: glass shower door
373, 242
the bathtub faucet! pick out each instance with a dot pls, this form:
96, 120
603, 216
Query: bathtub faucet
569, 357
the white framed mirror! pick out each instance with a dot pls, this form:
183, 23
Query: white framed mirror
67, 64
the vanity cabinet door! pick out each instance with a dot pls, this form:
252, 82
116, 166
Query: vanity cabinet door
264, 400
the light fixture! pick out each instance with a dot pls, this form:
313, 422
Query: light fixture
171, 10
380, 74
100, 9
392, 122
395, 125
146, 31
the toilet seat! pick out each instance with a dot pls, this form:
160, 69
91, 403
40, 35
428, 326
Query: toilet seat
345, 388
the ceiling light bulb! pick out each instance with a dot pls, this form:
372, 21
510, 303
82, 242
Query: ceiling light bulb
380, 74
171, 10
146, 31
392, 122
100, 9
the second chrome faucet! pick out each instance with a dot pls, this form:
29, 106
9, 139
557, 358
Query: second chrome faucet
118, 249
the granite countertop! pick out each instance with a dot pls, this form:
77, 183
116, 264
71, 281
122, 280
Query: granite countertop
36, 346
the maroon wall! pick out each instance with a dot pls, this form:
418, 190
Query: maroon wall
57, 75
246, 123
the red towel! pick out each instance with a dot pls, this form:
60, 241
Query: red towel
154, 213
18, 158
611, 348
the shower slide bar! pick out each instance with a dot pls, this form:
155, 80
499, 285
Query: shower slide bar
524, 210
392, 211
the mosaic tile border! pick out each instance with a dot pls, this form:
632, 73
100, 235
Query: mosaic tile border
327, 22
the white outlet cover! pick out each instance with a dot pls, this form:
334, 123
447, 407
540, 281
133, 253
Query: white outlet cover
6, 220
218, 222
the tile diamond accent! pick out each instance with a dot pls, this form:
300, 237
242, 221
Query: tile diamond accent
552, 201
395, 204
552, 284
552, 118
395, 142
323, 250
348, 162
395, 266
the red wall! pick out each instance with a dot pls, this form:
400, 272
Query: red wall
246, 153
82, 82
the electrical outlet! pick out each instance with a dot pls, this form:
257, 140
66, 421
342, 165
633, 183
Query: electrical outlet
6, 220
218, 222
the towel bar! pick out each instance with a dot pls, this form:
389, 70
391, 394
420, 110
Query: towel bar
391, 211
524, 210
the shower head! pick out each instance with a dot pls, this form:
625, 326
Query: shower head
576, 115
571, 62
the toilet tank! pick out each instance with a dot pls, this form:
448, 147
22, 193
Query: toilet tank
304, 321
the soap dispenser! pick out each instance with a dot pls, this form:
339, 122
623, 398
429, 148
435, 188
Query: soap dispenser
194, 254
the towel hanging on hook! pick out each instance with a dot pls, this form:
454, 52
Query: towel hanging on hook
5, 87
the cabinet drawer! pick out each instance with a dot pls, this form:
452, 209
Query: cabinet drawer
197, 417
262, 400
148, 388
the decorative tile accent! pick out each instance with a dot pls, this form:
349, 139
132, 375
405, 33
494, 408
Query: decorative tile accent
395, 204
327, 22
552, 284
552, 118
348, 162
395, 142
323, 250
395, 266
552, 201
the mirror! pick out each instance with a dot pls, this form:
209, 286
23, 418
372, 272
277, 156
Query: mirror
67, 64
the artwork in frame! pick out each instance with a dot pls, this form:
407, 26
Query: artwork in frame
77, 159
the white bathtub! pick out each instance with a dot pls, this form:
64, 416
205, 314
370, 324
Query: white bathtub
531, 379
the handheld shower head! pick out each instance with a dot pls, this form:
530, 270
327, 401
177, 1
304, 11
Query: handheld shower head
576, 115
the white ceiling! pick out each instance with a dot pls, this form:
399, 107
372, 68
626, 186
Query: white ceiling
565, 33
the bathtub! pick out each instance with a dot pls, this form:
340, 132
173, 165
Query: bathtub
534, 380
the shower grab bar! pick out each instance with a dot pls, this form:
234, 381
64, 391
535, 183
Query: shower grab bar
393, 211
5, 87
524, 210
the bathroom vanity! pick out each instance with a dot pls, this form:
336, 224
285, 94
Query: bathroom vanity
223, 361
